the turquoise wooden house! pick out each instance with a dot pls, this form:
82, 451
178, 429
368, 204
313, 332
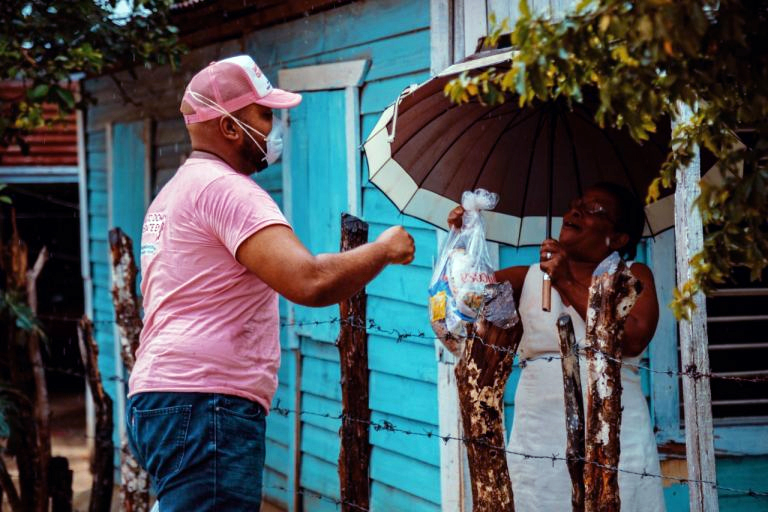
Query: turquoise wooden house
350, 60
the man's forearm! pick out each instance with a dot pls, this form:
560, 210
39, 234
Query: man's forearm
339, 276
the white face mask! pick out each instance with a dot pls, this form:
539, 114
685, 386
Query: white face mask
274, 140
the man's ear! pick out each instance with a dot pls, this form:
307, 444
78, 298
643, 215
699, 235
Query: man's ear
619, 240
228, 128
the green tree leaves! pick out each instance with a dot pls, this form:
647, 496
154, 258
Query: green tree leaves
42, 45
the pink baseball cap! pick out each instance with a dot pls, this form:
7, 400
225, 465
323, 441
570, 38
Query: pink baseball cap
232, 83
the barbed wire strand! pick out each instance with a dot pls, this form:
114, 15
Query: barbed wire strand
388, 426
391, 427
317, 496
402, 336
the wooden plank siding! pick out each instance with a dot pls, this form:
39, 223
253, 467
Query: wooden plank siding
103, 312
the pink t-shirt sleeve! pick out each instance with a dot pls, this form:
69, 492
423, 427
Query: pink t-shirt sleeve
234, 207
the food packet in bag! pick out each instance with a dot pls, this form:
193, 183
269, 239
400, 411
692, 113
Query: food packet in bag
462, 271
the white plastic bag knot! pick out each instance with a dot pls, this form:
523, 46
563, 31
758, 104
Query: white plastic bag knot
475, 202
480, 199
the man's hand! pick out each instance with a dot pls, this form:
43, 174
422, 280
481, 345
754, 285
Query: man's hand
399, 245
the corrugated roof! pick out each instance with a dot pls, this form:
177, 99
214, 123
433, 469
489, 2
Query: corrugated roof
54, 146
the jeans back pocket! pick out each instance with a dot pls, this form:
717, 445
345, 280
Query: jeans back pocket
161, 437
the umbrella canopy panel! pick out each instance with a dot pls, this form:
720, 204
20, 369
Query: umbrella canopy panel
440, 149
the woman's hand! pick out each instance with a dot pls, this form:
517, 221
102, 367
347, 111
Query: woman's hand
456, 217
554, 262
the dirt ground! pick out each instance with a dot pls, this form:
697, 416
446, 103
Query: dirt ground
68, 440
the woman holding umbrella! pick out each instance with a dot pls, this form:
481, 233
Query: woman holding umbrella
606, 218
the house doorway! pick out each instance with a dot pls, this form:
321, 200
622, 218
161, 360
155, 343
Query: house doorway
48, 215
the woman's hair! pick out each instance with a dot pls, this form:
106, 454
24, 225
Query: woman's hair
631, 219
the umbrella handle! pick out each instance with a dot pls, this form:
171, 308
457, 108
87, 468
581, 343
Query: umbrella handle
546, 292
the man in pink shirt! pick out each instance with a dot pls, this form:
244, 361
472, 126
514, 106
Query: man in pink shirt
215, 253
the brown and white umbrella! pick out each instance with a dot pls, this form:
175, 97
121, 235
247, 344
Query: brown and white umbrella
425, 151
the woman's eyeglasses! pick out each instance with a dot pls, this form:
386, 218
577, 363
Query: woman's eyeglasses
592, 208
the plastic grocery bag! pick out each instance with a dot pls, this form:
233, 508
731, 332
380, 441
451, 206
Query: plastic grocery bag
463, 269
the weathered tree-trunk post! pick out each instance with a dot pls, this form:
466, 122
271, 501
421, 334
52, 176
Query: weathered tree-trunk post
23, 447
355, 452
481, 376
102, 464
28, 375
612, 294
694, 346
42, 407
574, 410
134, 488
124, 297
6, 484
25, 418
60, 484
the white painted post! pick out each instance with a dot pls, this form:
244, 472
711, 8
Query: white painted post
475, 24
440, 35
352, 131
85, 263
694, 356
452, 452
454, 470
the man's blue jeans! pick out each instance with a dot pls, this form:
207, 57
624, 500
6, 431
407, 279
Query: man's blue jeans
204, 452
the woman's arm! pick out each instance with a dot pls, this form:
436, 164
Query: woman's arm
644, 316
516, 277
641, 322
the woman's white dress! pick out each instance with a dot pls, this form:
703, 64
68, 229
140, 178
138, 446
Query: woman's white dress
539, 418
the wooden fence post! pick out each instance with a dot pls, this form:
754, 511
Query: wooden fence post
28, 375
134, 488
126, 304
694, 347
611, 297
481, 376
355, 452
574, 410
42, 406
6, 485
60, 484
102, 464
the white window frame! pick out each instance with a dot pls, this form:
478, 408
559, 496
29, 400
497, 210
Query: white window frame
349, 76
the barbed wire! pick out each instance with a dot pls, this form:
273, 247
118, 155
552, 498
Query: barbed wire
317, 496
403, 336
391, 427
388, 426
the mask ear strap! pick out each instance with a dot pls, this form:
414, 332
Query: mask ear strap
221, 110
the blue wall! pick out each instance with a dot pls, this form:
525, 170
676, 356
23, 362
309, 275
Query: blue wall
103, 311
